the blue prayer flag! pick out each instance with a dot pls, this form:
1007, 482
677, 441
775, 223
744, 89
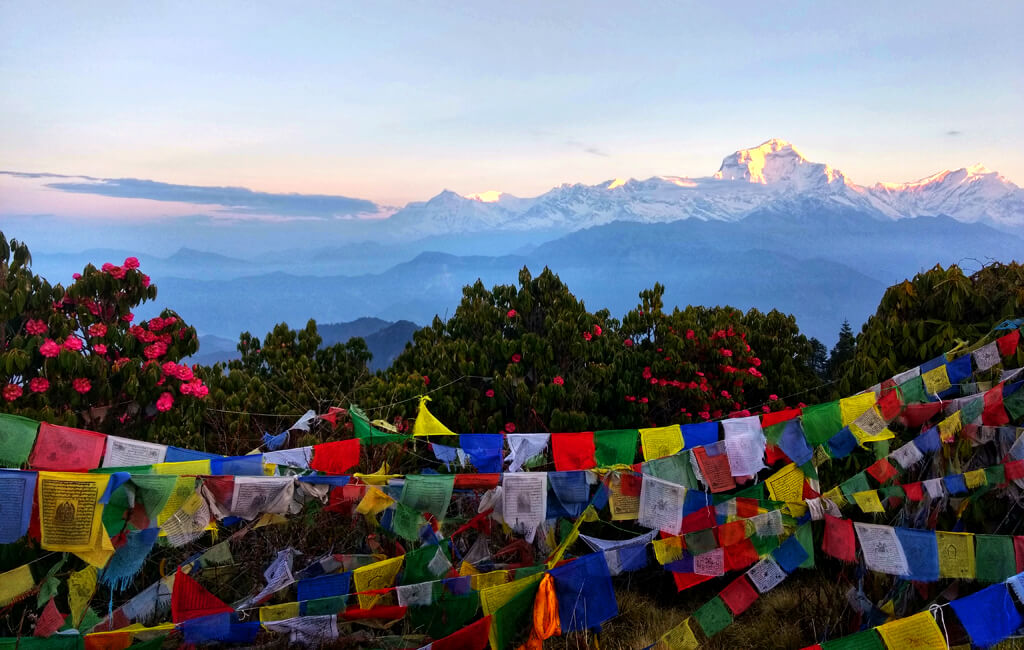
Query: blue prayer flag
584, 591
699, 434
989, 616
484, 449
922, 550
842, 444
17, 493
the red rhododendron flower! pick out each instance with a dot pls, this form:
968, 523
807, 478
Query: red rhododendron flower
131, 263
690, 334
516, 358
39, 385
558, 381
170, 368
765, 409
73, 343
509, 427
726, 352
511, 313
99, 330
129, 317
643, 400
145, 280
426, 380
800, 405
164, 402
76, 276
725, 394
82, 385
628, 343
489, 393
185, 388
704, 415
49, 348
587, 336
34, 327
755, 372
647, 372
630, 398
773, 397
198, 389
755, 361
155, 351
12, 392
653, 381
99, 348
597, 330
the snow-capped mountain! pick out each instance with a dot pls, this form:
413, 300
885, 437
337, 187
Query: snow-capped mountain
774, 175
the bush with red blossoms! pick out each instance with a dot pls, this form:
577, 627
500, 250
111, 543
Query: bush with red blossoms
69, 354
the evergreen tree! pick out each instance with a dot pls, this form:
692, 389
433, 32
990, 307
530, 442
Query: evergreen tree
819, 359
843, 351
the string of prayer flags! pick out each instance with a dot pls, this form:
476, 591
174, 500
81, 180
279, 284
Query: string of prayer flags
882, 550
739, 595
17, 437
866, 640
66, 449
426, 424
307, 630
81, 587
472, 637
821, 421
713, 617
766, 574
124, 452
50, 620
744, 443
839, 539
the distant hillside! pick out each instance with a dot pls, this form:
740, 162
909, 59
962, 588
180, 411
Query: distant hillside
385, 339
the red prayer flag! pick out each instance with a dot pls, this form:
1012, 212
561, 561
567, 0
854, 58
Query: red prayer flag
687, 580
809, 492
768, 419
914, 415
700, 520
882, 470
1014, 470
1018, 551
739, 595
108, 641
344, 498
1008, 344
773, 454
336, 457
913, 491
477, 481
471, 637
50, 620
839, 539
740, 555
389, 612
573, 451
746, 507
993, 414
64, 449
731, 533
189, 599
890, 405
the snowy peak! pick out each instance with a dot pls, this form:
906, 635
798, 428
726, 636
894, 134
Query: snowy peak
777, 162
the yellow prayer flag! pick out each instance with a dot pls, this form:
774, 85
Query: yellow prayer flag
492, 598
661, 441
868, 501
374, 502
81, 587
667, 550
379, 575
278, 612
467, 569
380, 477
14, 583
185, 467
680, 637
787, 484
956, 554
482, 581
622, 507
70, 515
949, 427
836, 496
936, 380
975, 478
426, 424
184, 487
917, 632
851, 408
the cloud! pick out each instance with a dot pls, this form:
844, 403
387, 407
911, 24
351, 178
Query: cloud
586, 148
954, 133
237, 201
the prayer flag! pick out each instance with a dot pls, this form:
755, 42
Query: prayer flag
66, 449
989, 615
616, 447
336, 457
428, 425
917, 631
572, 451
17, 436
662, 441
189, 599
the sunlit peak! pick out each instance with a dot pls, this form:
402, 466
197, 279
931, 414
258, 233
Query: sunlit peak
618, 182
490, 196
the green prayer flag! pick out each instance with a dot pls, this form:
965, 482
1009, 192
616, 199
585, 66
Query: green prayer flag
755, 491
153, 490
994, 555
406, 522
446, 615
821, 422
971, 411
428, 493
50, 584
1014, 405
369, 434
511, 622
774, 433
995, 475
217, 555
701, 541
616, 447
418, 564
17, 435
765, 545
866, 640
713, 616
324, 606
912, 391
856, 483
89, 620
115, 511
892, 491
674, 469
805, 535
809, 470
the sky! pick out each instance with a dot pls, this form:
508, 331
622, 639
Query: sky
394, 101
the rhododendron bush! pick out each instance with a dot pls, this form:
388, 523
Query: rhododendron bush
78, 356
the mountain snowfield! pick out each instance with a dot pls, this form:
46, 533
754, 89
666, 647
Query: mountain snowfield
773, 176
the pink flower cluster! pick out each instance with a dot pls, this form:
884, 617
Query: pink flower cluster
97, 330
120, 271
12, 392
35, 327
49, 349
164, 402
82, 385
155, 351
39, 385
157, 324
